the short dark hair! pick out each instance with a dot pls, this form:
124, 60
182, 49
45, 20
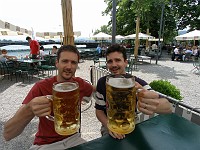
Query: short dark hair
67, 48
28, 38
117, 48
55, 47
41, 47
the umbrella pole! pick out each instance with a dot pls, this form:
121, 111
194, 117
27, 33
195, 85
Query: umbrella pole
67, 22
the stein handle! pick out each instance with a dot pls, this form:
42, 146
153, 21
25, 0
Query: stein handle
49, 117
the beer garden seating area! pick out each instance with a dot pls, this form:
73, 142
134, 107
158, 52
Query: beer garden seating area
26, 69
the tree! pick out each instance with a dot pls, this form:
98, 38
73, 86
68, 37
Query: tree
187, 13
105, 29
182, 14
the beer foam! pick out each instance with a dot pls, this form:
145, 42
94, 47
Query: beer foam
121, 82
65, 87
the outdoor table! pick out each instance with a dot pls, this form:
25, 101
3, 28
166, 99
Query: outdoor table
53, 55
27, 66
144, 58
163, 132
30, 60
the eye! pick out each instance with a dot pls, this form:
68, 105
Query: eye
74, 62
65, 61
109, 61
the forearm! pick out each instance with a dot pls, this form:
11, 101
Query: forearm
102, 117
164, 106
18, 122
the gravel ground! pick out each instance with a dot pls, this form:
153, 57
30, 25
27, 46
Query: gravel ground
12, 95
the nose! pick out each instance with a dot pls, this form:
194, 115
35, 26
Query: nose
69, 65
114, 63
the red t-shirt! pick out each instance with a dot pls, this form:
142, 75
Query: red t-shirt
46, 133
34, 45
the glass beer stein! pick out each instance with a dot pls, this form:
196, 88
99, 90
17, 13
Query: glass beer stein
121, 98
66, 107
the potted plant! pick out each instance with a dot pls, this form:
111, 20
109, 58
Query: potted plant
165, 87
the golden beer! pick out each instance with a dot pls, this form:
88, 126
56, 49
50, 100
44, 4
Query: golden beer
121, 97
66, 108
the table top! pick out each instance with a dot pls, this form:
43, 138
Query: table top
30, 60
102, 59
163, 132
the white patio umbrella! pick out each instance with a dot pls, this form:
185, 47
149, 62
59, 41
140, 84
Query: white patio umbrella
102, 36
193, 35
119, 37
141, 36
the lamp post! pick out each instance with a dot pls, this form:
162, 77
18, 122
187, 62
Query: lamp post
161, 24
113, 21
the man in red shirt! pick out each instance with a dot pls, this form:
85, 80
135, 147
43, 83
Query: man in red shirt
37, 104
34, 46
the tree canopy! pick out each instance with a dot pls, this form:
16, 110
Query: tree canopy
178, 14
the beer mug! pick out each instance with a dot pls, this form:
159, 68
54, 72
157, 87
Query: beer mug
66, 108
121, 98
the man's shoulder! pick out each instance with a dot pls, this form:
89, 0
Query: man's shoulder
102, 79
47, 81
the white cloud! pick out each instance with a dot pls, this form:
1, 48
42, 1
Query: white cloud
44, 15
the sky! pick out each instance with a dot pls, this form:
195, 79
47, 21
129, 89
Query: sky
46, 15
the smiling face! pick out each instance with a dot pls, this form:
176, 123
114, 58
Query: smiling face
67, 65
116, 63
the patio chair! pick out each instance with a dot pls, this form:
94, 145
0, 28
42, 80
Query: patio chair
8, 69
196, 64
25, 70
48, 65
130, 66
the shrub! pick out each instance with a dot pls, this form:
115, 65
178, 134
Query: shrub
165, 87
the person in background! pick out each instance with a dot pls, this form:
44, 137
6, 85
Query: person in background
42, 53
194, 51
149, 101
54, 50
177, 52
188, 50
187, 53
34, 47
36, 104
98, 49
154, 46
5, 57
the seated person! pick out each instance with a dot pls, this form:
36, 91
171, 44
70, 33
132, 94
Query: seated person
177, 52
36, 104
194, 50
4, 57
154, 46
54, 50
42, 53
187, 53
149, 102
